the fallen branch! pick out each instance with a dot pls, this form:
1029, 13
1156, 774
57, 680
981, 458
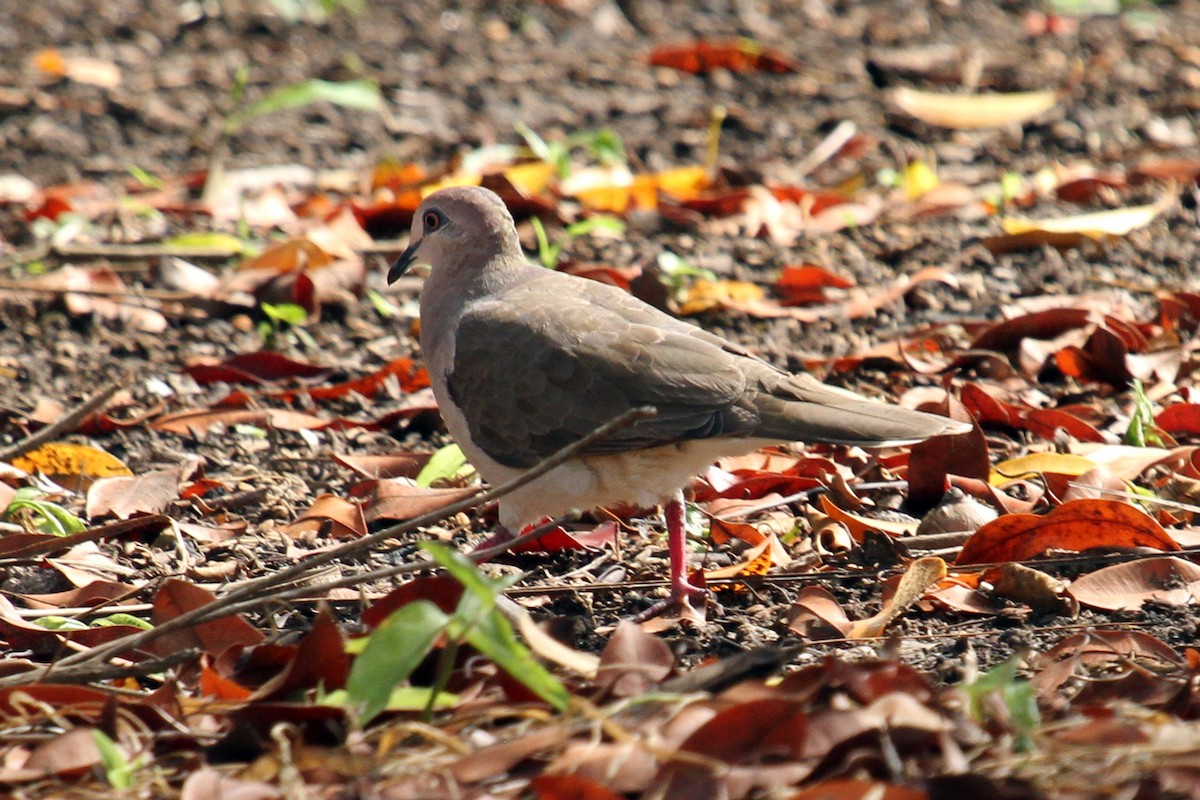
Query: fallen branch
265, 589
66, 423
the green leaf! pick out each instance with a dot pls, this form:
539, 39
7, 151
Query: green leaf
122, 619
147, 179
547, 253
1142, 430
117, 768
393, 651
601, 222
253, 431
1018, 697
463, 570
493, 636
290, 313
402, 698
362, 95
383, 307
442, 465
213, 239
55, 622
602, 144
54, 519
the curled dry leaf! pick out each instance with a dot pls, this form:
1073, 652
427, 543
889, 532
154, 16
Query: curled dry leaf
973, 111
858, 524
1077, 526
920, 575
1040, 591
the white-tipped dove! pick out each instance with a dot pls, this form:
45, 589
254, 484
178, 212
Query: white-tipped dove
525, 360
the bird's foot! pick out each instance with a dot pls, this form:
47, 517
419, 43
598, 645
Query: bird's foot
686, 602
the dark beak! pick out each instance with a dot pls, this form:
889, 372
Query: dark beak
404, 261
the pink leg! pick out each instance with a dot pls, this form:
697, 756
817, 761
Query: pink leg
681, 589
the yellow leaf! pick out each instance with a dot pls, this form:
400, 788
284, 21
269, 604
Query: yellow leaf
919, 179
1099, 226
531, 178
972, 111
73, 466
683, 182
1038, 464
705, 295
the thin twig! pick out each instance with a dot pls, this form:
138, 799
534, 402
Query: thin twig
268, 584
66, 423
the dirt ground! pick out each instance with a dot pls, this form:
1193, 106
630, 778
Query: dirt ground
458, 77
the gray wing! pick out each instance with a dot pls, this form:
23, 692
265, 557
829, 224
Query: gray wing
532, 376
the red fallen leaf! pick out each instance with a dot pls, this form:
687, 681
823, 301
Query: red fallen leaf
1086, 190
806, 283
1046, 421
214, 637
388, 217
1006, 336
1180, 418
858, 789
620, 277
603, 535
931, 461
199, 488
1095, 650
1077, 526
441, 590
259, 367
741, 55
815, 203
410, 376
52, 207
217, 687
321, 659
569, 787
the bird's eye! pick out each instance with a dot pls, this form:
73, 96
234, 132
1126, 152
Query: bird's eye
432, 221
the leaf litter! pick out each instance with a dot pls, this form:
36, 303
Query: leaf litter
277, 420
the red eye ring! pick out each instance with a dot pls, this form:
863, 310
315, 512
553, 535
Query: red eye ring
432, 221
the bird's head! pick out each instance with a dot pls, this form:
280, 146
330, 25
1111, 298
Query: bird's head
460, 226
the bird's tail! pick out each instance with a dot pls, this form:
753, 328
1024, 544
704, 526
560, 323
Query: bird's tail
802, 409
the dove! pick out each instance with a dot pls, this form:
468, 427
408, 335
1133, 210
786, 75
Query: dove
524, 361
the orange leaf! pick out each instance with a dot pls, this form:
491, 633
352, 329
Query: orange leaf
859, 525
74, 466
1077, 526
